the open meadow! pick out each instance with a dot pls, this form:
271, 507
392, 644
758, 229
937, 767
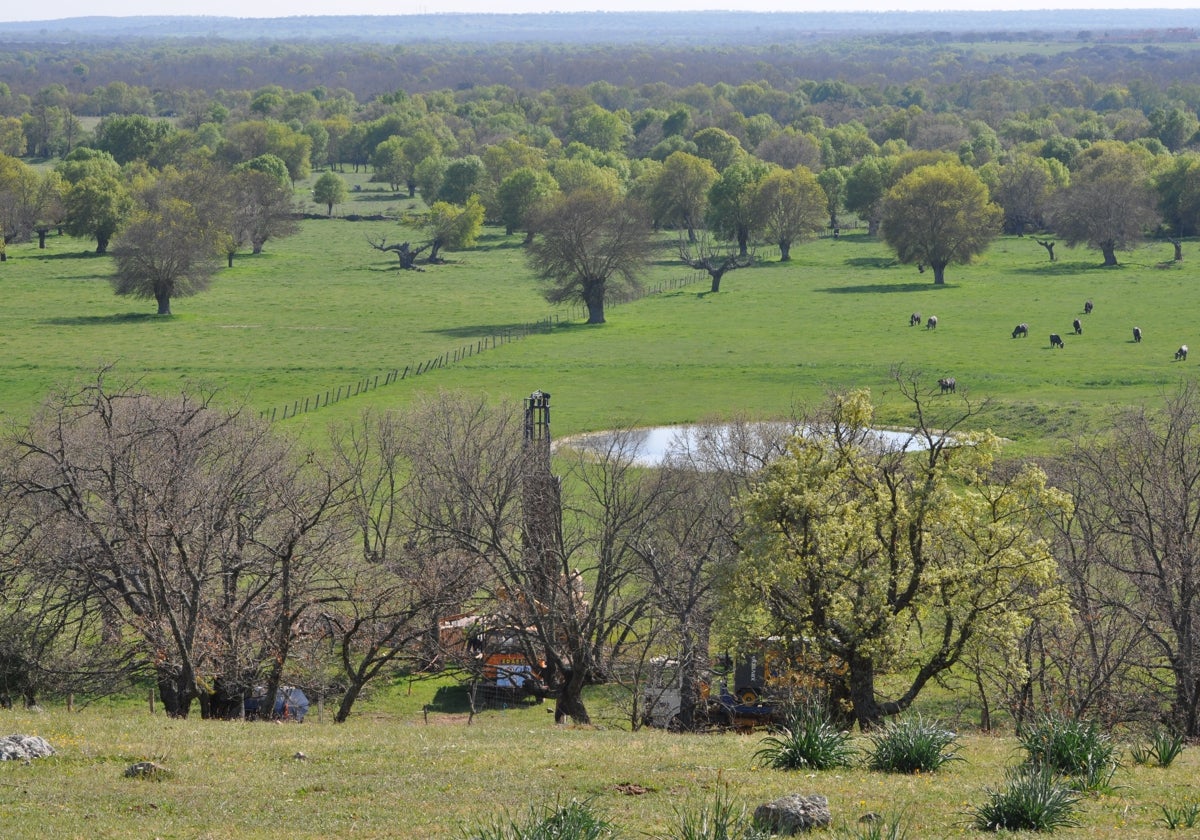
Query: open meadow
323, 311
393, 772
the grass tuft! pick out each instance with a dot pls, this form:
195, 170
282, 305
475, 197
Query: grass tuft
1181, 816
1033, 799
573, 821
809, 740
911, 745
1071, 747
1160, 750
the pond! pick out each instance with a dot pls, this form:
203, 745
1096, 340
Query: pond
652, 446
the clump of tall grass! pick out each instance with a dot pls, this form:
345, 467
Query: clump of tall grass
1072, 747
1033, 799
911, 745
573, 821
808, 741
1180, 816
722, 819
1160, 749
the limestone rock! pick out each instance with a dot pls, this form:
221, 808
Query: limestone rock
793, 814
24, 747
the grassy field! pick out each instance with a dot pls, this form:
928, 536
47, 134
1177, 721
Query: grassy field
392, 772
323, 311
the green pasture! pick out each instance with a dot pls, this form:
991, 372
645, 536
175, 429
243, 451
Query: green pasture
395, 772
324, 311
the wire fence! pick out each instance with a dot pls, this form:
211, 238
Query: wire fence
374, 381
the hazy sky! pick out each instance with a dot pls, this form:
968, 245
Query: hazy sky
286, 8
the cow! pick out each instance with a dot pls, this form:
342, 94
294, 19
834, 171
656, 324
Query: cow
1087, 307
1137, 335
1056, 341
947, 384
914, 320
1078, 327
1021, 331
1181, 353
931, 322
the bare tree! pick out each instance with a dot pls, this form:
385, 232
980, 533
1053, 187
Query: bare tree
717, 260
402, 580
404, 253
1140, 514
181, 523
589, 241
561, 570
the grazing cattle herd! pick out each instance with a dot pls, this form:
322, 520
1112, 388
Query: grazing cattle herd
948, 383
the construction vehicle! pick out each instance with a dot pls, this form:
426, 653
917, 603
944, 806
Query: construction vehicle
742, 708
501, 668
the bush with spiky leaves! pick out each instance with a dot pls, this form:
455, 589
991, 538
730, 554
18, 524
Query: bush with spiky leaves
911, 745
808, 741
1033, 799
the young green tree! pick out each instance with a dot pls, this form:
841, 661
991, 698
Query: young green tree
790, 206
938, 215
519, 196
329, 190
680, 192
731, 202
452, 226
891, 562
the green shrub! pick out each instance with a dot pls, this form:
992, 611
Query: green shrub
911, 745
573, 821
1163, 747
809, 740
1071, 747
1181, 816
1034, 799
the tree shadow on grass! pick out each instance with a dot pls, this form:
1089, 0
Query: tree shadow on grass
68, 255
104, 320
451, 699
873, 262
479, 332
1061, 267
885, 288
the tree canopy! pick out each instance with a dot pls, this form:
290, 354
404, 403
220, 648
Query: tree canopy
938, 215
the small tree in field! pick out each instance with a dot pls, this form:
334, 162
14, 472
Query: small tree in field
589, 240
329, 190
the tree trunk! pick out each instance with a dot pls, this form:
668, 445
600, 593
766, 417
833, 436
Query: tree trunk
1178, 243
102, 243
570, 700
508, 230
164, 302
785, 250
593, 298
330, 206
230, 259
743, 238
41, 238
867, 711
176, 700
939, 274
352, 692
716, 280
872, 227
528, 237
1110, 254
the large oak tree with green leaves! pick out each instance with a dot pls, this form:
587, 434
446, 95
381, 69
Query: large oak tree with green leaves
883, 561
